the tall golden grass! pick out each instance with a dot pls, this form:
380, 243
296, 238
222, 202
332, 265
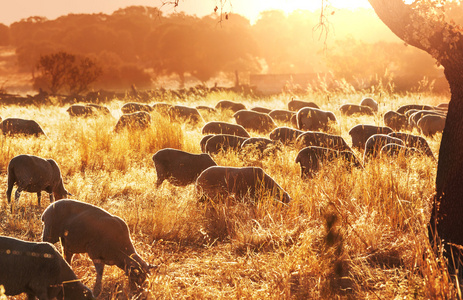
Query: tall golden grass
357, 234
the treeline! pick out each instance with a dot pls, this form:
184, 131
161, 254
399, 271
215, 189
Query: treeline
136, 45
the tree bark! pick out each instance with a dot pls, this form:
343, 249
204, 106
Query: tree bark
445, 43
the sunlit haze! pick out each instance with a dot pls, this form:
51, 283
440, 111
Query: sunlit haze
13, 11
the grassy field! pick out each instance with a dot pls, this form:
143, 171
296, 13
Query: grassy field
358, 234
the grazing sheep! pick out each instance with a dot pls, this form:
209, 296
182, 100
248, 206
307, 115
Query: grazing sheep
261, 109
161, 107
229, 105
77, 110
132, 107
185, 114
38, 270
252, 120
252, 182
370, 102
320, 139
414, 141
140, 120
102, 110
431, 124
351, 109
286, 135
281, 115
404, 108
203, 142
179, 167
85, 228
16, 126
296, 105
416, 116
262, 145
374, 144
217, 127
314, 119
34, 174
312, 158
395, 121
395, 150
206, 109
360, 134
223, 142
443, 105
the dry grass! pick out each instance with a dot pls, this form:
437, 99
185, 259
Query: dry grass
358, 234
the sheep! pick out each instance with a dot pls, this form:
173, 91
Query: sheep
431, 124
262, 145
203, 142
85, 228
185, 114
223, 142
395, 120
81, 111
416, 116
229, 105
360, 134
314, 119
285, 135
38, 270
312, 158
404, 108
16, 126
34, 174
414, 141
296, 105
217, 127
252, 120
370, 102
351, 109
394, 150
374, 144
140, 120
244, 183
132, 107
320, 139
443, 106
179, 167
260, 109
281, 115
102, 110
206, 109
161, 107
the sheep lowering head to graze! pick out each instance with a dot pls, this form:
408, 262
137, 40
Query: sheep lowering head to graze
281, 115
414, 141
314, 119
374, 144
218, 127
77, 110
243, 183
223, 142
16, 126
34, 174
395, 120
296, 105
370, 102
140, 120
132, 107
286, 135
253, 120
360, 134
351, 109
179, 167
85, 228
262, 146
431, 124
229, 105
321, 139
185, 114
38, 270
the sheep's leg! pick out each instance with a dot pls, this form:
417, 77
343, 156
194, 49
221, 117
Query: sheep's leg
39, 197
52, 199
17, 194
99, 267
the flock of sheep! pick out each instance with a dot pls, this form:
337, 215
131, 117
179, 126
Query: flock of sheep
40, 271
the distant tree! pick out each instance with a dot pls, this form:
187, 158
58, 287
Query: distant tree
4, 35
84, 72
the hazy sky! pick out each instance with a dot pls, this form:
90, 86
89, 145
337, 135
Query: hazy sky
15, 10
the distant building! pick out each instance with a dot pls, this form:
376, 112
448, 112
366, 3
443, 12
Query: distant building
278, 83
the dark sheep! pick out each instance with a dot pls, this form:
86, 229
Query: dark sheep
395, 150
252, 120
351, 109
34, 174
203, 142
360, 134
85, 228
395, 121
179, 167
416, 116
102, 110
217, 127
431, 124
281, 115
443, 105
77, 110
206, 109
296, 105
262, 145
16, 126
229, 105
185, 114
38, 270
261, 109
161, 107
414, 141
314, 119
252, 182
285, 135
312, 158
370, 102
404, 108
320, 139
374, 144
140, 120
133, 107
223, 142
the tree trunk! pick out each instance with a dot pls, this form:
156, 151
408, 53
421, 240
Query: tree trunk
445, 43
